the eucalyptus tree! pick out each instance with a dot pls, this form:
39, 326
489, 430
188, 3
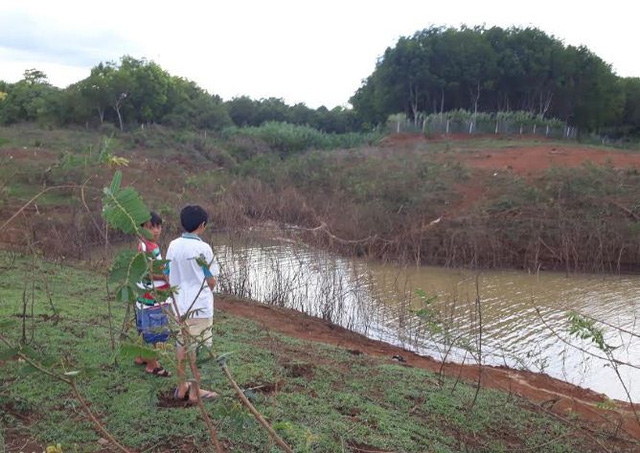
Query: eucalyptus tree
74, 108
529, 69
492, 70
301, 114
211, 113
471, 66
272, 109
435, 69
338, 120
629, 121
366, 102
589, 94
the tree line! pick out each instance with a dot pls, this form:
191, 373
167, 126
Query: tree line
436, 70
134, 92
499, 70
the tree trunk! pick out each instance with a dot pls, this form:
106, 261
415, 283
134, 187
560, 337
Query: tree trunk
475, 98
117, 107
413, 99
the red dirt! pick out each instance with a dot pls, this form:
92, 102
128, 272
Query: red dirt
549, 394
524, 158
520, 157
533, 159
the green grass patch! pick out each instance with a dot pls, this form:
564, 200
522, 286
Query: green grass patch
31, 136
319, 398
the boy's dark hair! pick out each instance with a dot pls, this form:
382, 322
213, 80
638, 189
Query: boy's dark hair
155, 219
192, 216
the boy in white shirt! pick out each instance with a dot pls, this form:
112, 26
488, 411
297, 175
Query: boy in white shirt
193, 270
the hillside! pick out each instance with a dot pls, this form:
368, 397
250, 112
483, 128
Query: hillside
418, 191
491, 201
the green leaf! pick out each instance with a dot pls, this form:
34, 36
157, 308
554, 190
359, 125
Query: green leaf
126, 294
282, 426
123, 208
129, 351
128, 268
158, 266
116, 181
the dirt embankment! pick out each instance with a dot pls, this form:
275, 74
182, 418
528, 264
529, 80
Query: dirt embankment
549, 394
524, 155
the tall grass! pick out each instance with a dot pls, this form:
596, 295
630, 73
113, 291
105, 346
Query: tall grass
286, 138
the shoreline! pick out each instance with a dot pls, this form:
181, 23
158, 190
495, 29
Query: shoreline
549, 394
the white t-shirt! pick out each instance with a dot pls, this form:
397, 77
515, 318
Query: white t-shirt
193, 293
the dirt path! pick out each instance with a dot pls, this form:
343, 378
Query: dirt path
549, 394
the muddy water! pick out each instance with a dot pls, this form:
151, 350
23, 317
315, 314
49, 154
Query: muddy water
497, 318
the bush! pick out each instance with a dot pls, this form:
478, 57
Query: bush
287, 139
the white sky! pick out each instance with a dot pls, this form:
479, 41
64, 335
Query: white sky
316, 52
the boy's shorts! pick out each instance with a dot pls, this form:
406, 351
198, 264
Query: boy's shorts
201, 329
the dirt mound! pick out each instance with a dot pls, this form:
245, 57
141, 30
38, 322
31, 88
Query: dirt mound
548, 394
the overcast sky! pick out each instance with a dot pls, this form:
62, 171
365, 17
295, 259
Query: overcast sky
316, 52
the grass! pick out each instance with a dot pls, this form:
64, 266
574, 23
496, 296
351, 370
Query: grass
29, 136
319, 398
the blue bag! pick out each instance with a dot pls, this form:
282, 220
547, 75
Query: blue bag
153, 323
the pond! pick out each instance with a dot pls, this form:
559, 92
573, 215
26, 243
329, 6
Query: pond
510, 318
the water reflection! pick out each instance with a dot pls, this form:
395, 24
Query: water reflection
520, 318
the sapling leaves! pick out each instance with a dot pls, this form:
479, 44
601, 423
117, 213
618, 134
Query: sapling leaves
123, 208
115, 182
129, 351
586, 329
128, 269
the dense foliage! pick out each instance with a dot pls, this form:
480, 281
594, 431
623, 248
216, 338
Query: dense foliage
135, 92
436, 70
495, 70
